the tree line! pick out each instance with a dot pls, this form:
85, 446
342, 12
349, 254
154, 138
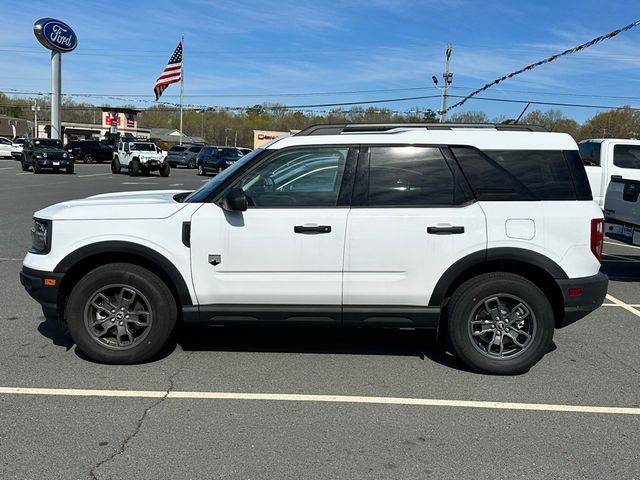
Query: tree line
236, 126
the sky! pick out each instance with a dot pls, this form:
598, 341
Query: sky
294, 52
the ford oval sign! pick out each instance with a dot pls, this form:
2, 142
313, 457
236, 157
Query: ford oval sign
55, 35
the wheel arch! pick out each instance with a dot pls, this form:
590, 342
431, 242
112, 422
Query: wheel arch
78, 263
535, 267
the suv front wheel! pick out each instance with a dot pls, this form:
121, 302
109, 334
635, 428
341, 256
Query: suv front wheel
500, 323
121, 313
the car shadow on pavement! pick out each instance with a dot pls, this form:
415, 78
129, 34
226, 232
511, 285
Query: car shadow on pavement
56, 332
348, 341
622, 268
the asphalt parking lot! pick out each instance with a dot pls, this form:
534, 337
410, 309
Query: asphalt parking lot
247, 404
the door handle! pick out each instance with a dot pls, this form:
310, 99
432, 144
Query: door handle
445, 230
312, 229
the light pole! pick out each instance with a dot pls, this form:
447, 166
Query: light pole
35, 108
448, 80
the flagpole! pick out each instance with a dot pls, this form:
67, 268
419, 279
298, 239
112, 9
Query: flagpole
181, 87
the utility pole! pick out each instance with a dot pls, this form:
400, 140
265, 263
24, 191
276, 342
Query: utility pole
35, 108
448, 79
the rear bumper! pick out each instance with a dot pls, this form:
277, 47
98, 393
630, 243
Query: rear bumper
45, 295
594, 290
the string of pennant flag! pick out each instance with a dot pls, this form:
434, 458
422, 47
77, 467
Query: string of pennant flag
531, 66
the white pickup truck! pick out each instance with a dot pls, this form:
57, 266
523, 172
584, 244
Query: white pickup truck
605, 158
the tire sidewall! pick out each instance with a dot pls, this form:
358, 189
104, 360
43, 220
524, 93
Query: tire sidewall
461, 308
161, 304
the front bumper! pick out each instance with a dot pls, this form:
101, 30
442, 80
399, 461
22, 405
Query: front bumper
594, 290
51, 163
45, 293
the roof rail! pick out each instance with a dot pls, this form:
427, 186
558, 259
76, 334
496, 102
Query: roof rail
338, 128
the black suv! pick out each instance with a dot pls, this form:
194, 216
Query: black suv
42, 153
215, 159
90, 151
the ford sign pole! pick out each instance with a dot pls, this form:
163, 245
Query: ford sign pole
56, 86
58, 37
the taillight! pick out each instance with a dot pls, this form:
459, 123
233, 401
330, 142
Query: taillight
597, 237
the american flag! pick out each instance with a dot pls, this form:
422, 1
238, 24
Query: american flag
172, 73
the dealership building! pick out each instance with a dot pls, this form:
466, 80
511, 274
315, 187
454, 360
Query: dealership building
114, 120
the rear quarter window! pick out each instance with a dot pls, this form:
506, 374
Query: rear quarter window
177, 149
511, 175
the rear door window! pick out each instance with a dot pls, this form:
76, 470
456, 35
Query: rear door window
409, 176
626, 156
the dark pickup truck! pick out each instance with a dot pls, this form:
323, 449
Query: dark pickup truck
622, 210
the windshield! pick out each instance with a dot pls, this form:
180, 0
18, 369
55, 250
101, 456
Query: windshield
208, 188
47, 143
143, 147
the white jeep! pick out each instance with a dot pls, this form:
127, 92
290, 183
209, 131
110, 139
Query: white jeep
139, 157
487, 233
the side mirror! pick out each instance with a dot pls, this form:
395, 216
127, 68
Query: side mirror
234, 200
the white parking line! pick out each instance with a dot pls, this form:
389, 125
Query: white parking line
288, 397
626, 306
94, 175
24, 173
140, 183
7, 259
6, 168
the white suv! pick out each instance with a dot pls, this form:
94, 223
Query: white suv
139, 157
488, 233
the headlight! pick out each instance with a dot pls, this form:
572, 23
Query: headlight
229, 162
40, 236
64, 155
44, 155
38, 156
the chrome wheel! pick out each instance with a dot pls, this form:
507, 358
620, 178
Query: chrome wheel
118, 316
502, 326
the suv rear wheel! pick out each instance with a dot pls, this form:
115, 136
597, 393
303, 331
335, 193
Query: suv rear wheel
87, 158
201, 170
121, 314
500, 323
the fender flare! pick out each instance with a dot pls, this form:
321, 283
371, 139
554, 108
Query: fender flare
478, 259
115, 247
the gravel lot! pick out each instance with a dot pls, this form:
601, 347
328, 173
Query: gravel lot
61, 433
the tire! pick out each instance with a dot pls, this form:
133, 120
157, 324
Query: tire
201, 170
70, 169
134, 168
87, 158
36, 167
115, 165
165, 170
114, 338
191, 164
24, 164
524, 338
